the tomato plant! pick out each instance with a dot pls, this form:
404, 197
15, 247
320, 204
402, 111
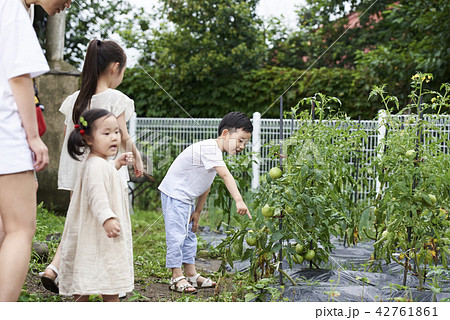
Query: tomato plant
312, 195
410, 216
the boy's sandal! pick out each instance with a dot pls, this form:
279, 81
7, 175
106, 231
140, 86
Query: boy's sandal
207, 283
181, 288
50, 283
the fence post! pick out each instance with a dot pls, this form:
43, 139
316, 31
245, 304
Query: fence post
381, 136
256, 150
280, 223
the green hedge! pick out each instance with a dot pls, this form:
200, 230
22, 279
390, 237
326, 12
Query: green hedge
258, 90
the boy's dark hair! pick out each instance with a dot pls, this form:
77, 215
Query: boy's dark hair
99, 55
76, 145
234, 121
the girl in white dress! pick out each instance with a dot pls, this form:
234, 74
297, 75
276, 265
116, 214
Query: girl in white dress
103, 70
96, 246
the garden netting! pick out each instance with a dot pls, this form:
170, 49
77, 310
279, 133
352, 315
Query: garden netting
348, 279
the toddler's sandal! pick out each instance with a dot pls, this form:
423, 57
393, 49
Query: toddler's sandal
207, 283
181, 288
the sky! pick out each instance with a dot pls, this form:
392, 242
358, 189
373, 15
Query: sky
266, 8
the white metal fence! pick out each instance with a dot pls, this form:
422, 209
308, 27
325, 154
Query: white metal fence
169, 136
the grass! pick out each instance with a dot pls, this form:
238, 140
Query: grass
149, 249
151, 275
149, 245
46, 224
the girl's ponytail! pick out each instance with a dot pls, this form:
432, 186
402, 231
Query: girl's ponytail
99, 56
76, 144
89, 79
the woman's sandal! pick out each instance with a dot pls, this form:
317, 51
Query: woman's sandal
49, 283
207, 283
182, 288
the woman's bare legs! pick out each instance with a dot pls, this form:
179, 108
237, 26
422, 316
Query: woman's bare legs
18, 214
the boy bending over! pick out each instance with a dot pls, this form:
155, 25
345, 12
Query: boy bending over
189, 179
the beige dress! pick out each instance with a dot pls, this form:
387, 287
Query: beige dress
112, 100
92, 263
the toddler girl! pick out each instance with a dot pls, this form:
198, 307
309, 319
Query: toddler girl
96, 245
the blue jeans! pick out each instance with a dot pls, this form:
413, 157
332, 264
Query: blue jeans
180, 240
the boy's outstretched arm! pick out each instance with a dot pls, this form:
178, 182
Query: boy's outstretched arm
198, 209
225, 174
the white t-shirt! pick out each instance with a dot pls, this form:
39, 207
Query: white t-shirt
192, 172
112, 100
20, 53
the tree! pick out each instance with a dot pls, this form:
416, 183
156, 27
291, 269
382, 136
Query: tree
86, 20
387, 40
91, 19
199, 56
413, 37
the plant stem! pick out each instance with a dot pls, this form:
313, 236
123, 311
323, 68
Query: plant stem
287, 276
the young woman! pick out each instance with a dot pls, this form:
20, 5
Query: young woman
21, 58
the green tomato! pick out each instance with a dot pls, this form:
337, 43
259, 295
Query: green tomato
299, 248
432, 198
410, 154
309, 256
267, 211
297, 258
411, 120
250, 241
275, 173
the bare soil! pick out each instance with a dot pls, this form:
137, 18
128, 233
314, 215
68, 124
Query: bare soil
150, 289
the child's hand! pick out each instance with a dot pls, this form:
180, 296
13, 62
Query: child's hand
242, 209
112, 227
124, 159
195, 217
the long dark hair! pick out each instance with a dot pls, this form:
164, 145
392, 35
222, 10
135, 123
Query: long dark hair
99, 55
76, 145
